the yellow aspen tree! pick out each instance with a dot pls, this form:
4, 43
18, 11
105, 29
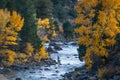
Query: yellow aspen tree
54, 34
14, 26
8, 57
45, 29
9, 28
4, 19
10, 25
29, 49
43, 53
98, 22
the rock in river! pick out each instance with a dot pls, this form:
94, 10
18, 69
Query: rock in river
52, 50
57, 47
18, 79
2, 77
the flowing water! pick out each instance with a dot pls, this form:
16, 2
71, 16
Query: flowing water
68, 58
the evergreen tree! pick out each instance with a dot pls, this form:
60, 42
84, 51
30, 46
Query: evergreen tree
29, 31
44, 8
9, 4
3, 4
68, 29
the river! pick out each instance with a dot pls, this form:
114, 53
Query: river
68, 57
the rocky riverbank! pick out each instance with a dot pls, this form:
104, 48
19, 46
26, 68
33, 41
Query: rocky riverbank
2, 77
64, 61
110, 71
82, 74
9, 73
63, 65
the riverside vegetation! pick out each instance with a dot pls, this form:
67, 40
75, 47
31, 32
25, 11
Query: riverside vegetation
26, 25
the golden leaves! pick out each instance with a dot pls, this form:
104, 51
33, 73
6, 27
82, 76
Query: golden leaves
43, 53
102, 18
10, 25
110, 4
45, 38
89, 3
29, 49
98, 20
45, 23
82, 30
16, 22
54, 34
8, 56
88, 59
45, 29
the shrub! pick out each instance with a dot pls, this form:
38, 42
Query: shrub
107, 72
29, 49
7, 57
21, 58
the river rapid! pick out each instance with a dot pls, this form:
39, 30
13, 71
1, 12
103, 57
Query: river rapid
68, 59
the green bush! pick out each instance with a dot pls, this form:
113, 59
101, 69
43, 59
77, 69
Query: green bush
68, 29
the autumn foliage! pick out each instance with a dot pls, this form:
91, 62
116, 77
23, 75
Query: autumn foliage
10, 25
43, 53
29, 49
98, 20
45, 29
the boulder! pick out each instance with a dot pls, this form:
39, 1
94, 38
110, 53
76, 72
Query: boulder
54, 74
3, 77
56, 47
18, 79
92, 78
32, 72
57, 71
8, 73
75, 55
65, 43
26, 68
52, 44
73, 44
47, 69
116, 78
52, 50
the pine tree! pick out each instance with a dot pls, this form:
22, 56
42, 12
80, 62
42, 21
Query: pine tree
44, 8
68, 30
9, 4
2, 4
29, 30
